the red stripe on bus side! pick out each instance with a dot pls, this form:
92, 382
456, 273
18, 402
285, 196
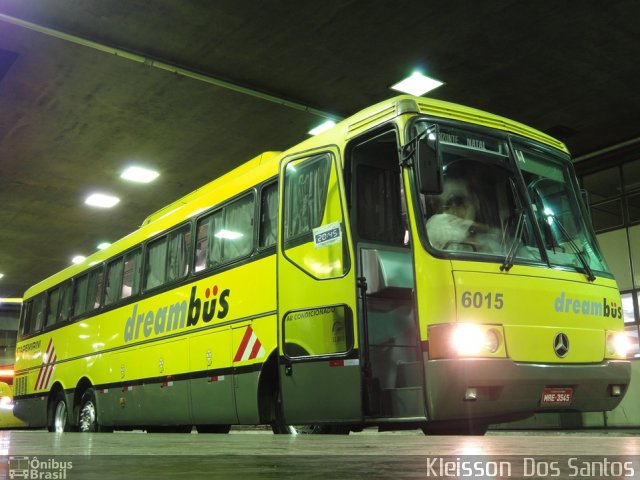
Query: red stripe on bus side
243, 344
46, 352
51, 366
256, 348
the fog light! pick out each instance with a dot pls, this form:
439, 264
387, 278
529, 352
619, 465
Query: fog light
492, 341
471, 394
616, 390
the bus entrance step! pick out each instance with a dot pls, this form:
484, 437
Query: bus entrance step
403, 402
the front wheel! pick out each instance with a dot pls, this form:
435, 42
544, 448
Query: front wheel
58, 420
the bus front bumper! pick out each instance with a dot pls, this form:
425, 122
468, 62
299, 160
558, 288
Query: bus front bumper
505, 390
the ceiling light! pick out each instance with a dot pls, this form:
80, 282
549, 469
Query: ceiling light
1, 275
139, 174
101, 200
322, 127
103, 245
417, 84
78, 259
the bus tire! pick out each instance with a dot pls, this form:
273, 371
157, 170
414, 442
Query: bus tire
88, 413
213, 428
58, 416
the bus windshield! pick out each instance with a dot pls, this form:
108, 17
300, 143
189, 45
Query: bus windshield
567, 240
485, 210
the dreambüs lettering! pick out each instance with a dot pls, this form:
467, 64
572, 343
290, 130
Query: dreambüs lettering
607, 308
174, 317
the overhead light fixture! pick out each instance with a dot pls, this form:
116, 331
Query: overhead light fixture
1, 275
139, 174
103, 245
78, 259
417, 84
101, 200
323, 127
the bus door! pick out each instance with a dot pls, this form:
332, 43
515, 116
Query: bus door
394, 379
319, 362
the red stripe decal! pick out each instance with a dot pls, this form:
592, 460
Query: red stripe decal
49, 372
243, 344
256, 348
336, 363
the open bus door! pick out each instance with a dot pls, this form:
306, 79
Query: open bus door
319, 363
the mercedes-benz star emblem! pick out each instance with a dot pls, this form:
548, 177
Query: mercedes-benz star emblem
561, 345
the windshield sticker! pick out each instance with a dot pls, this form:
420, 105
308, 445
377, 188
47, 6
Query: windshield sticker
327, 235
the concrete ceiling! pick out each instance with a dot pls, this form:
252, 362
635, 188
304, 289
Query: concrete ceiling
72, 116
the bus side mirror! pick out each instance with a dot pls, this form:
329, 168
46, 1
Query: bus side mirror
428, 164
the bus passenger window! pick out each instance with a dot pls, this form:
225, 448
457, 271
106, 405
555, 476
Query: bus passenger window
37, 313
80, 295
236, 236
178, 253
131, 275
52, 306
156, 263
268, 216
65, 302
114, 281
95, 289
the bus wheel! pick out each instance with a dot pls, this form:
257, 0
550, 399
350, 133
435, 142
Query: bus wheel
213, 428
58, 414
88, 415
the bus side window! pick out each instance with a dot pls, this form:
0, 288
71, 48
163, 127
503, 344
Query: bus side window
94, 290
268, 216
65, 301
80, 295
114, 281
236, 236
131, 274
53, 300
156, 263
178, 253
25, 317
37, 313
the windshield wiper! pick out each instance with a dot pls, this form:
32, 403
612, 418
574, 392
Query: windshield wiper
515, 244
590, 276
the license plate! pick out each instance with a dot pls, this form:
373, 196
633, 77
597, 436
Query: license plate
556, 396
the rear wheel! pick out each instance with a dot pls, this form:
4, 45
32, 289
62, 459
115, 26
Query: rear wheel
58, 416
88, 414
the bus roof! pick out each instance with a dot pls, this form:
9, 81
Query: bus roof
265, 166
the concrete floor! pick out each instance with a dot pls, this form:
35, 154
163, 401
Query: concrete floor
259, 454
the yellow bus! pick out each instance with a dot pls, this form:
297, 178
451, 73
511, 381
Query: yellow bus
420, 265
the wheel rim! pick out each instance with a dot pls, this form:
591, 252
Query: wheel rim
60, 418
87, 419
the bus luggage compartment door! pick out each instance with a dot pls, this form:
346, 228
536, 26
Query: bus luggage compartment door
319, 363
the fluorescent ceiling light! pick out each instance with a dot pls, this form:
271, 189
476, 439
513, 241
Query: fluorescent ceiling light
1, 275
78, 259
139, 174
322, 127
417, 84
228, 235
101, 200
103, 245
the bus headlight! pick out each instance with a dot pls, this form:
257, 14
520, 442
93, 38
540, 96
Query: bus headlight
617, 344
465, 340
